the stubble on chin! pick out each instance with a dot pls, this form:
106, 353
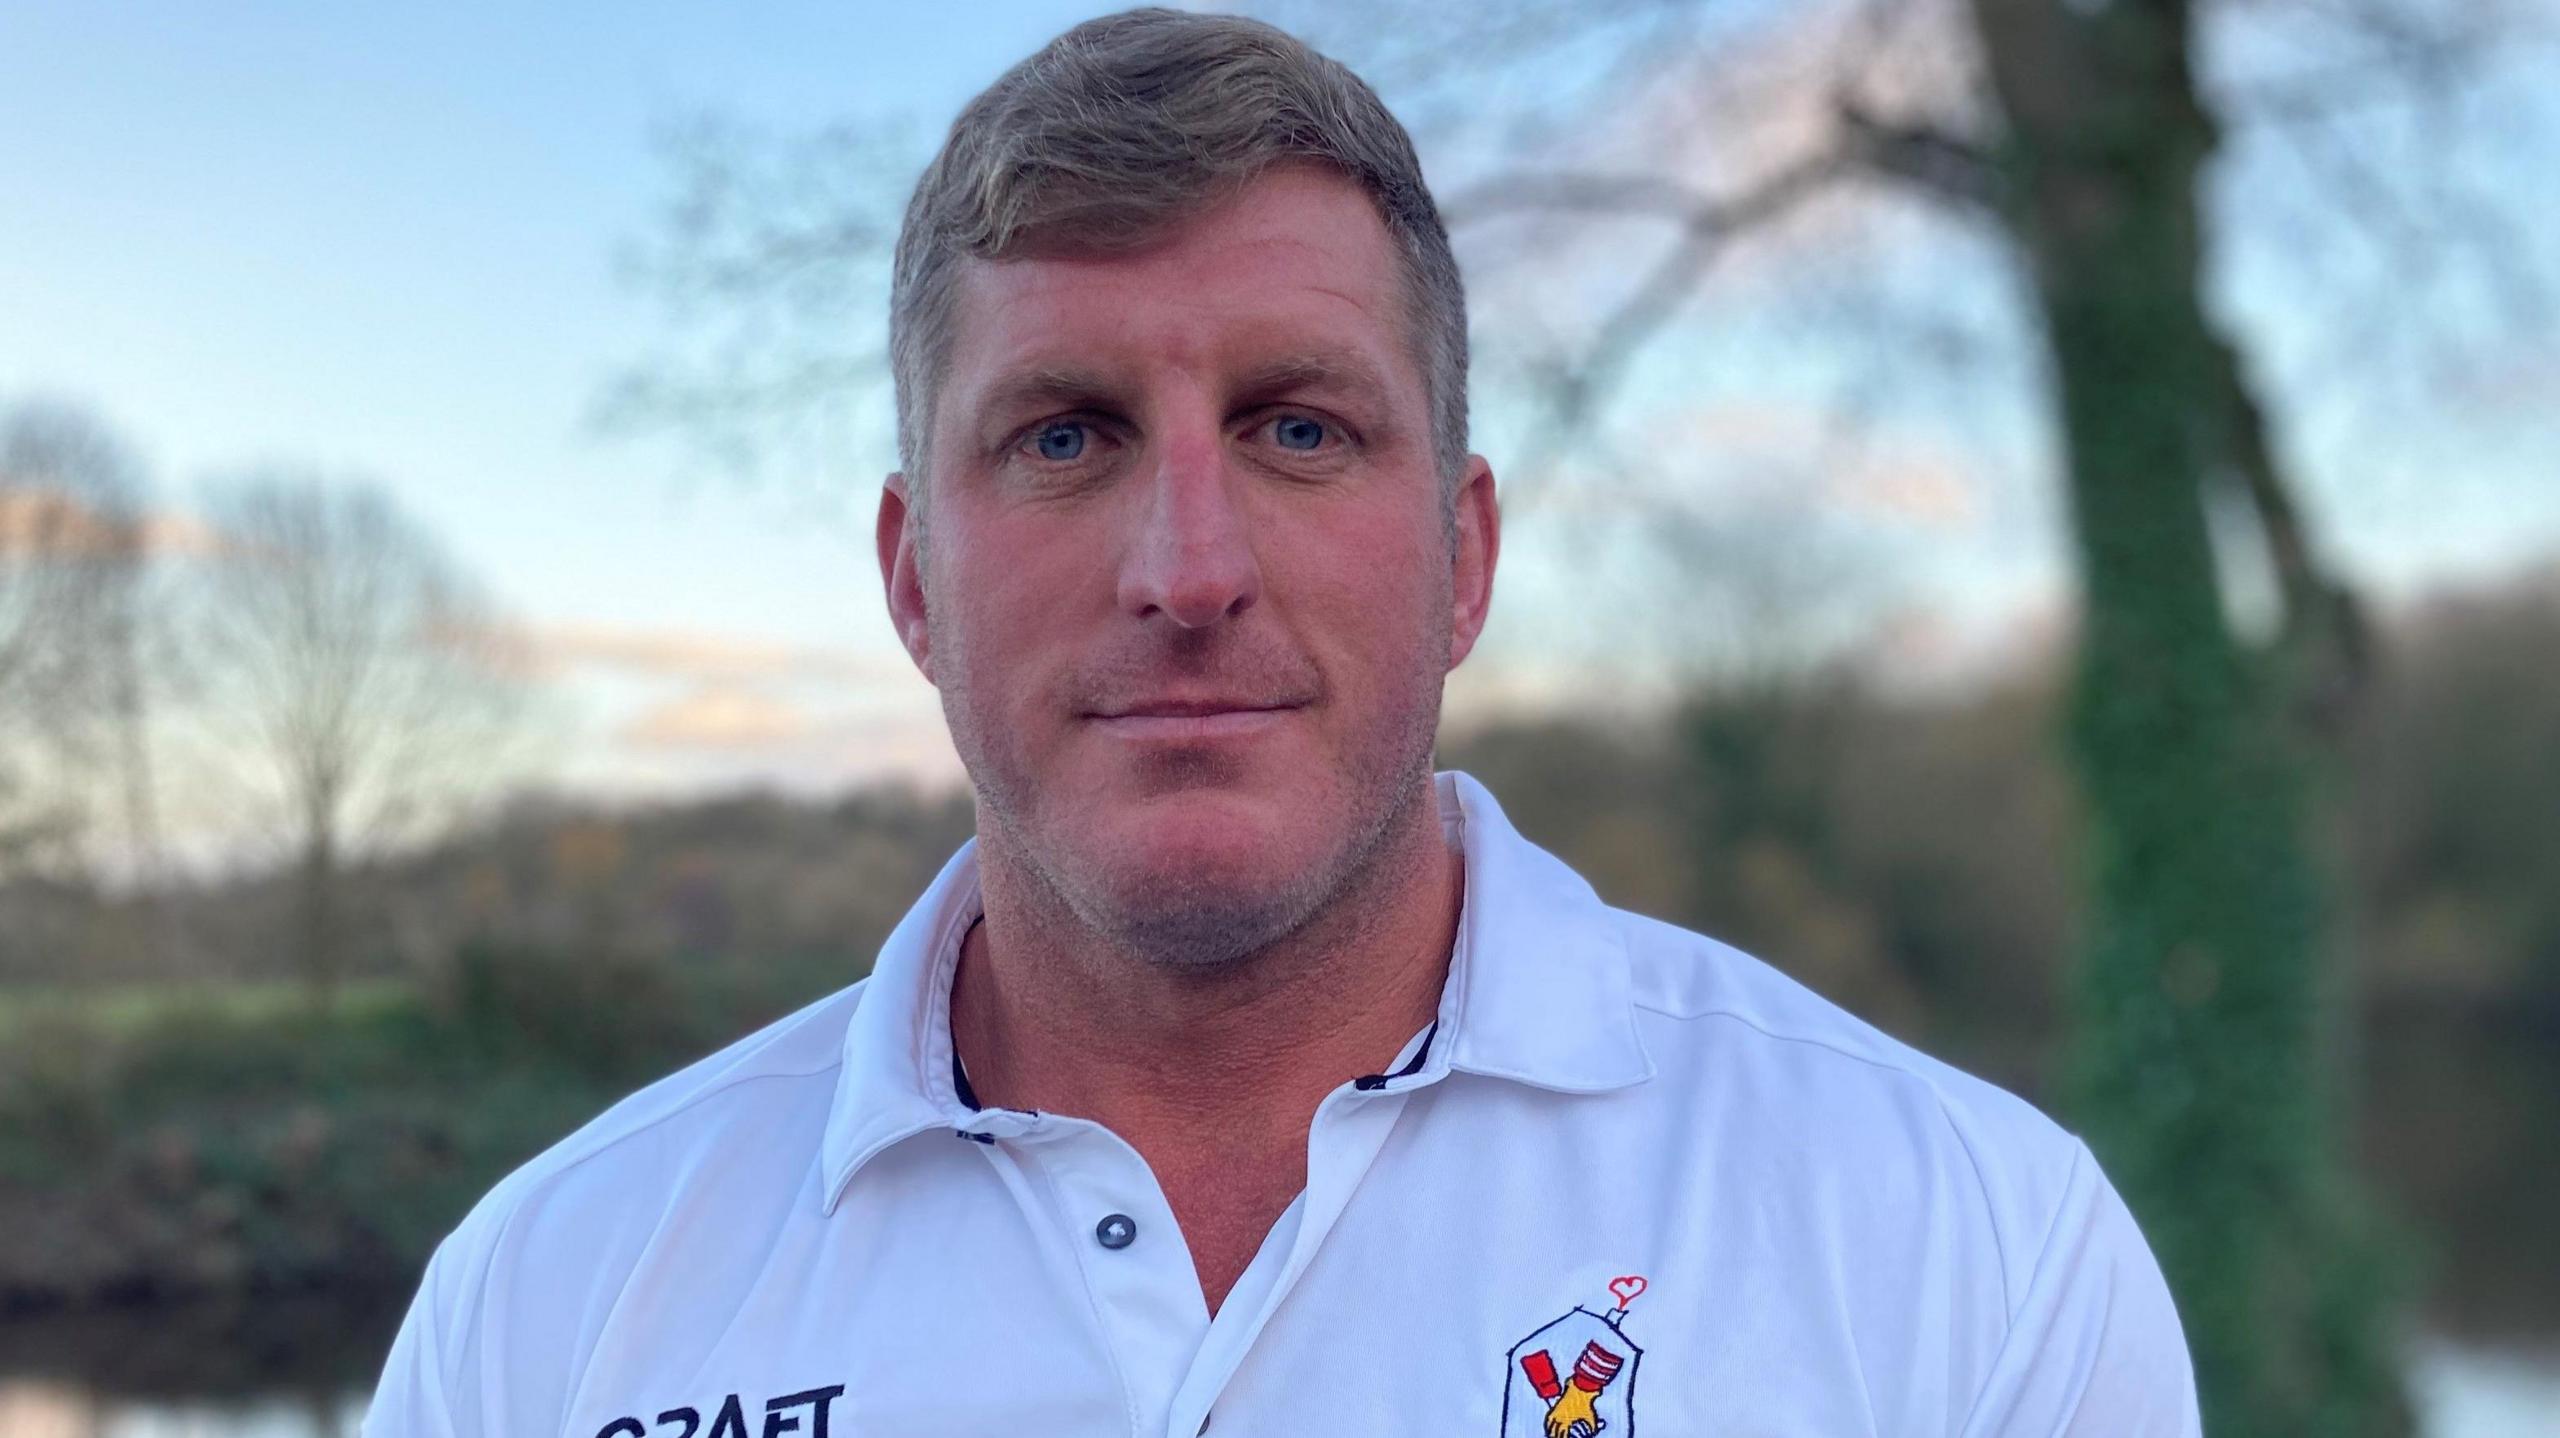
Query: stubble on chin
1188, 919
1192, 920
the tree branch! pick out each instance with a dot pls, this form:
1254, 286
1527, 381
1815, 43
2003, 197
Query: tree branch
2323, 648
1707, 223
1574, 192
1707, 230
1939, 161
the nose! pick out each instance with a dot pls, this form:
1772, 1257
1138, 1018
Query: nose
1190, 555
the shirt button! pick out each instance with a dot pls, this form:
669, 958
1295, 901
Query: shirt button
1117, 1230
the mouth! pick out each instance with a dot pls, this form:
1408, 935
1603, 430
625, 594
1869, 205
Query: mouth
1192, 719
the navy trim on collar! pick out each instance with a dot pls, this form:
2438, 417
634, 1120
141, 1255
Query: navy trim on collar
1371, 1083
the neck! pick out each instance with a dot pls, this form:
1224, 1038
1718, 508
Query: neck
1050, 1015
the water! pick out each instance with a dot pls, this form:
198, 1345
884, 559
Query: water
37, 1409
263, 1369
2462, 1390
2486, 1393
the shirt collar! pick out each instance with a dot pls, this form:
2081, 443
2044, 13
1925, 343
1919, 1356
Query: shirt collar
896, 1078
1539, 992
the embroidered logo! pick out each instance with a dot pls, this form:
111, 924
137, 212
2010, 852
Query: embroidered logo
1576, 1377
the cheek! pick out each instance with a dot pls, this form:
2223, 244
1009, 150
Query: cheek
1374, 591
1003, 607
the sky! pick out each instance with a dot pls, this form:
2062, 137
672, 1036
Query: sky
382, 242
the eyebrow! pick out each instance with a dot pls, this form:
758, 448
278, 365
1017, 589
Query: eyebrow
1326, 369
1074, 386
1048, 387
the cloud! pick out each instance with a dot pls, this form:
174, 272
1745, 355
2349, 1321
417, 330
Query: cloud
1849, 467
1760, 455
167, 533
37, 520
699, 656
720, 718
1963, 648
2524, 381
743, 710
1921, 487
726, 737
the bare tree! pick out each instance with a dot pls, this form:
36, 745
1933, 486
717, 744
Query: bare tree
358, 679
72, 551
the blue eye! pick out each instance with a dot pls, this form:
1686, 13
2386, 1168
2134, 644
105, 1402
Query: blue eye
1062, 441
1299, 433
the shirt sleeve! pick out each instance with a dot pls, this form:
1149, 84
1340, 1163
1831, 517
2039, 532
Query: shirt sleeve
2094, 1347
414, 1397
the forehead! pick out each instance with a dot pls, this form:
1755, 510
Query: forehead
1296, 261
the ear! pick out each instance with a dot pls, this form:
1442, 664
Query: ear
1478, 547
896, 534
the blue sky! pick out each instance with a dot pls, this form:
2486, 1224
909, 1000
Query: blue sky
383, 240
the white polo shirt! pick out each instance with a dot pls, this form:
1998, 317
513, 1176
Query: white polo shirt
1630, 1180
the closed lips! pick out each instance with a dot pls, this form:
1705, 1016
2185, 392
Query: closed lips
1191, 719
1192, 708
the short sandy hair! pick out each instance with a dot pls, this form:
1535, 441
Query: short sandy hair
1122, 127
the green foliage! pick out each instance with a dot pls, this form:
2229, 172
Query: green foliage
158, 1150
2456, 782
1908, 860
591, 1013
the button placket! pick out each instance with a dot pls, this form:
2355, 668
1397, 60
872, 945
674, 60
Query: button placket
1136, 1268
1349, 1129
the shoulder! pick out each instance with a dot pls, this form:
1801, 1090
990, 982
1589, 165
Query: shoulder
2044, 1293
749, 1115
1847, 1100
753, 1079
526, 1268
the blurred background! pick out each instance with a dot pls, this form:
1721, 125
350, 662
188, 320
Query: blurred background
2041, 519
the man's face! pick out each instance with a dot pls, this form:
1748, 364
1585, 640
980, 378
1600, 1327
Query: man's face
1189, 587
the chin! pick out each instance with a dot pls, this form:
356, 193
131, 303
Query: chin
1201, 924
1212, 839
1200, 883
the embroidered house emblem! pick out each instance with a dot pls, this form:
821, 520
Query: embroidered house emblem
1576, 1377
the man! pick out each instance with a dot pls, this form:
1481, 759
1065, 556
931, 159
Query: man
1244, 1074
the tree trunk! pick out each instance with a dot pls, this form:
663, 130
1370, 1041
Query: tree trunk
316, 929
151, 928
2195, 1070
